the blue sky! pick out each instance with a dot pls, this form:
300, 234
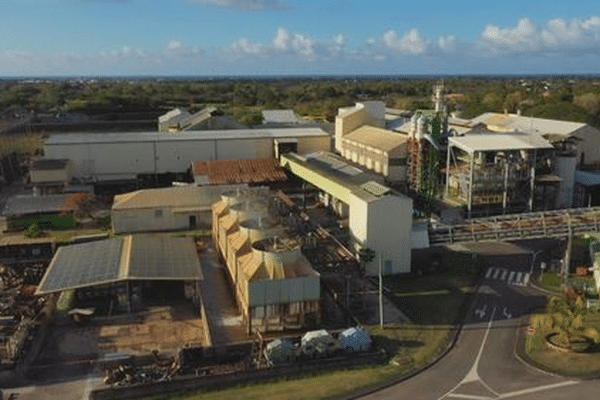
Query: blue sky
257, 37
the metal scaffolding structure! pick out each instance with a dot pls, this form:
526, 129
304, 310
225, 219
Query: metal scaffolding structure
494, 169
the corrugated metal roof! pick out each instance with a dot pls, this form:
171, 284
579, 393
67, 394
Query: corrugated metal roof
378, 138
521, 123
174, 116
140, 257
241, 171
27, 204
587, 178
133, 137
175, 196
280, 117
491, 141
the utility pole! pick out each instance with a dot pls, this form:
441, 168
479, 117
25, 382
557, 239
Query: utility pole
380, 292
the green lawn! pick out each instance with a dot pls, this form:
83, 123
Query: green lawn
410, 346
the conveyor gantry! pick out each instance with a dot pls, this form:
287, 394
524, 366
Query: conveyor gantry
543, 224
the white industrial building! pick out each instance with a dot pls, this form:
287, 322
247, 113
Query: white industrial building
378, 218
124, 156
166, 209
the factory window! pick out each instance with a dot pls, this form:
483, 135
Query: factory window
399, 161
158, 213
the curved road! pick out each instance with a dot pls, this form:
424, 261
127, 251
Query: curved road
483, 364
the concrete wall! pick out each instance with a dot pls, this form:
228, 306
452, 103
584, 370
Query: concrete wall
54, 175
348, 122
589, 145
383, 225
156, 219
117, 159
125, 160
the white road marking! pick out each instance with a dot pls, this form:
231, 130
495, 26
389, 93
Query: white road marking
506, 313
489, 273
537, 389
496, 273
504, 272
473, 376
481, 311
518, 280
526, 279
512, 273
469, 396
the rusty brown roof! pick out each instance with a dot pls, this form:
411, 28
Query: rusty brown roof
241, 171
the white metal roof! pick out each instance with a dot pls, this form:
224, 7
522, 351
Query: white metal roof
280, 116
499, 141
521, 123
587, 178
177, 115
130, 137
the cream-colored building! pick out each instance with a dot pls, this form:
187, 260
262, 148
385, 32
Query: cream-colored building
378, 218
166, 209
361, 136
50, 176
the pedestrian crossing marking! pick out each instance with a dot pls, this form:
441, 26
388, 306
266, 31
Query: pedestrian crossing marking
520, 278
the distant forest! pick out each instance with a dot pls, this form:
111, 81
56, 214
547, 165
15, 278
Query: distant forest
573, 99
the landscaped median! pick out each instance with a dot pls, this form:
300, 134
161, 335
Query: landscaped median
563, 339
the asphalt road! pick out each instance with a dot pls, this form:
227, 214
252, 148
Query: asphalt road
483, 364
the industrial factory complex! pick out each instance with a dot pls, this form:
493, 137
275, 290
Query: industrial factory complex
263, 232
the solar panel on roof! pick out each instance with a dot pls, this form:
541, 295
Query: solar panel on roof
82, 265
375, 188
163, 257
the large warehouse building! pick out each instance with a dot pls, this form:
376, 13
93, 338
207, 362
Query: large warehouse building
126, 156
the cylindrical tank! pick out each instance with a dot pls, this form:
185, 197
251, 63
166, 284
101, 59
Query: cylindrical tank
421, 127
564, 166
276, 253
260, 227
413, 125
249, 207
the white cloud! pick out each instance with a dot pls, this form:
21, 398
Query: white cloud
245, 5
412, 42
557, 35
569, 46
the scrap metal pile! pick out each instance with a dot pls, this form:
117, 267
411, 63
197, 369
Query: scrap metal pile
18, 308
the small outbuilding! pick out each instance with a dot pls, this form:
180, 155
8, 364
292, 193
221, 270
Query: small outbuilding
167, 209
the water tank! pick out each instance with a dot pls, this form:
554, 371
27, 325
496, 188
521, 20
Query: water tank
564, 167
258, 228
249, 207
276, 253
